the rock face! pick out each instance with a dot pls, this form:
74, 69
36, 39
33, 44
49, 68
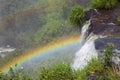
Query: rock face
104, 23
101, 43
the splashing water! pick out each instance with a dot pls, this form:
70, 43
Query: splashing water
87, 50
84, 32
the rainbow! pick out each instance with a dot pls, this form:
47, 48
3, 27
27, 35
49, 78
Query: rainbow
45, 49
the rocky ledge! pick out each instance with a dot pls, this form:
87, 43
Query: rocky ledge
104, 23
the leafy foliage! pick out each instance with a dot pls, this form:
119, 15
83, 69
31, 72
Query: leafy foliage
93, 65
108, 52
64, 72
103, 4
56, 24
76, 15
59, 72
35, 25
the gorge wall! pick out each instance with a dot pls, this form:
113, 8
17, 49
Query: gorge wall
103, 29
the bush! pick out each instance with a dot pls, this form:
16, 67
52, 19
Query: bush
64, 72
59, 72
108, 53
118, 20
93, 65
103, 4
76, 15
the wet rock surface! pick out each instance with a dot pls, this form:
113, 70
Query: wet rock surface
104, 23
101, 43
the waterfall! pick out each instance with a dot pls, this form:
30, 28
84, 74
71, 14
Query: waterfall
84, 32
87, 50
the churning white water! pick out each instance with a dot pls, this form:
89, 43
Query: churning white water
84, 32
87, 51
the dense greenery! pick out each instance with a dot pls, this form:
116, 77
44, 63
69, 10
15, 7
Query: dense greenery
53, 24
103, 4
64, 72
76, 15
59, 72
108, 53
41, 21
96, 69
29, 23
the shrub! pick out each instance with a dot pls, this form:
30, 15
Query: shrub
76, 15
93, 65
118, 20
103, 4
108, 52
64, 72
59, 72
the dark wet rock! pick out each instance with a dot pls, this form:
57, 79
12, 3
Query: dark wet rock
104, 22
92, 13
101, 43
111, 14
99, 27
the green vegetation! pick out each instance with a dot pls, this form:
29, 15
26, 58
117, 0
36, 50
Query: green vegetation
118, 20
93, 65
108, 52
59, 72
96, 69
76, 15
55, 22
64, 72
12, 75
103, 4
41, 22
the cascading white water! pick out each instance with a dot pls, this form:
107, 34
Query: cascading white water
84, 32
87, 50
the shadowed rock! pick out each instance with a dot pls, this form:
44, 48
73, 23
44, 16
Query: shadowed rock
104, 22
101, 43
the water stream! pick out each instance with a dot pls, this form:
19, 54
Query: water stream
87, 50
